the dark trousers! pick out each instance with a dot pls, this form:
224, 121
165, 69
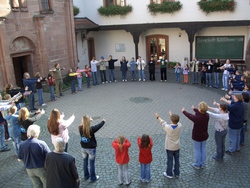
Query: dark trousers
163, 73
170, 156
220, 143
152, 75
103, 75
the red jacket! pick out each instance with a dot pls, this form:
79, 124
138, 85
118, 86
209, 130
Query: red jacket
145, 154
121, 157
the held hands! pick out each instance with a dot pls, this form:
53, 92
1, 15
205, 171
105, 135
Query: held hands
214, 103
183, 109
192, 106
170, 113
104, 120
156, 115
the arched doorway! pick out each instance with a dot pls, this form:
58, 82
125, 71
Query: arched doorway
157, 46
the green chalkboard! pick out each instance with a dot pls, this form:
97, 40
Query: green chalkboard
222, 47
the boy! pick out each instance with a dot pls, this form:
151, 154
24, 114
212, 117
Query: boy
172, 144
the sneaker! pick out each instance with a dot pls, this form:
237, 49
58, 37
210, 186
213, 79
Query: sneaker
139, 80
43, 104
5, 149
176, 176
165, 80
223, 89
128, 183
143, 80
161, 80
143, 180
126, 80
229, 152
123, 80
97, 178
115, 80
9, 139
107, 82
167, 176
196, 167
103, 83
120, 184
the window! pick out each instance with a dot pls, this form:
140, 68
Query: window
114, 2
160, 1
45, 5
19, 5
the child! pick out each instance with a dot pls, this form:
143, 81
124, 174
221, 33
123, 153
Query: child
124, 68
79, 78
51, 82
39, 89
121, 145
103, 70
132, 64
88, 75
172, 144
15, 130
72, 76
203, 75
185, 73
177, 70
145, 144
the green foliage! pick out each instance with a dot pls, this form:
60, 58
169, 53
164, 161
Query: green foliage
76, 10
165, 7
208, 6
171, 64
114, 10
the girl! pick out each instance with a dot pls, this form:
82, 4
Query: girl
177, 70
72, 77
79, 77
185, 73
51, 82
58, 127
203, 75
220, 123
151, 68
124, 68
145, 145
39, 88
132, 64
88, 143
121, 145
88, 75
25, 119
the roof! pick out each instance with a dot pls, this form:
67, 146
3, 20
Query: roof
84, 24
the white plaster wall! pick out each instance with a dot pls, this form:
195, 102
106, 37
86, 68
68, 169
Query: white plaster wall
140, 14
82, 50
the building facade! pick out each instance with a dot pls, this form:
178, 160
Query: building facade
34, 35
176, 35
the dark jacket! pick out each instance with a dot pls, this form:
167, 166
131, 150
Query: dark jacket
30, 83
200, 120
90, 142
112, 63
236, 115
151, 65
124, 66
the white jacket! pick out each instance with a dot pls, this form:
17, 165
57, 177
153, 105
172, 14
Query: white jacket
141, 64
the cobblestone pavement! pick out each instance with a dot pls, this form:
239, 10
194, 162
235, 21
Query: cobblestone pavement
129, 109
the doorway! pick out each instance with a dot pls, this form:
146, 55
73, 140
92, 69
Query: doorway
20, 65
91, 49
157, 46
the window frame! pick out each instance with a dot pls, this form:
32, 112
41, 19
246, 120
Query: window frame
105, 4
50, 7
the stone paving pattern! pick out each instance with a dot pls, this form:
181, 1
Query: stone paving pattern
129, 109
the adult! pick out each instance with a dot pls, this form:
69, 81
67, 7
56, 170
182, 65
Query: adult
25, 119
220, 124
103, 70
209, 68
33, 153
199, 133
93, 64
111, 68
30, 83
58, 127
57, 74
217, 73
61, 171
151, 68
124, 68
39, 88
235, 122
163, 64
141, 65
225, 74
195, 69
89, 144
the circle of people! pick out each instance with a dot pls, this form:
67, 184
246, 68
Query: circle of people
44, 167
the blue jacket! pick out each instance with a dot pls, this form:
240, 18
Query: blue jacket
15, 129
124, 66
236, 115
30, 83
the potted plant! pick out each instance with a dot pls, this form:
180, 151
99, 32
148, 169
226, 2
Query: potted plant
164, 7
114, 10
171, 64
217, 5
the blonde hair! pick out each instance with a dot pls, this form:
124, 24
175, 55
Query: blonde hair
203, 107
53, 122
23, 114
86, 126
7, 96
120, 140
37, 75
13, 109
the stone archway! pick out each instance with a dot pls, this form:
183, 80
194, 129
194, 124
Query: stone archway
248, 56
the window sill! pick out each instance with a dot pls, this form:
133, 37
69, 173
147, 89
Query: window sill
47, 11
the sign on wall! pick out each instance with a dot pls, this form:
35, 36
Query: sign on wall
120, 47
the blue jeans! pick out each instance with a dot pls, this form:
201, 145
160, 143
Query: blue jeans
195, 77
103, 75
2, 136
31, 100
217, 79
88, 81
177, 77
79, 81
52, 93
209, 79
170, 156
225, 81
234, 139
20, 105
200, 153
89, 155
124, 75
16, 141
73, 86
145, 172
40, 96
133, 75
220, 144
111, 75
141, 74
242, 133
94, 78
